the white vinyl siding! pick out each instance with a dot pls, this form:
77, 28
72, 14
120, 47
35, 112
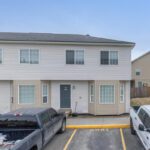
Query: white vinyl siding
91, 93
45, 93
29, 56
107, 94
26, 94
122, 92
75, 57
109, 57
1, 56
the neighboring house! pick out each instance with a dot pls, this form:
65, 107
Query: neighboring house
141, 71
81, 73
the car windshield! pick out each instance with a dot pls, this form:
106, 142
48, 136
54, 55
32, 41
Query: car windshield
22, 121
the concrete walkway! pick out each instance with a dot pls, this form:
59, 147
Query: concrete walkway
98, 120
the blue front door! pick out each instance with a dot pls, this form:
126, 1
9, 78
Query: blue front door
65, 96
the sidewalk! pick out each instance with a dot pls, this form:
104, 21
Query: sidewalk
80, 120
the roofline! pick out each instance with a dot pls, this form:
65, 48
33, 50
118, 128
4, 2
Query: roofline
130, 44
141, 56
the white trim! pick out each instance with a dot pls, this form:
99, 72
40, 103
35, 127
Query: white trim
29, 50
19, 97
99, 94
47, 93
109, 58
93, 93
70, 95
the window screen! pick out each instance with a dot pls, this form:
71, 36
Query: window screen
69, 57
79, 57
104, 57
34, 56
113, 56
24, 56
107, 94
1, 59
26, 94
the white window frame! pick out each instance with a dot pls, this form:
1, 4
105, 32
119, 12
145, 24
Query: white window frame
100, 95
43, 92
76, 56
2, 55
29, 50
138, 70
19, 97
109, 58
122, 85
91, 94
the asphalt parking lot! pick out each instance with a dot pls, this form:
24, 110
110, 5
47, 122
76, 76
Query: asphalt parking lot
95, 139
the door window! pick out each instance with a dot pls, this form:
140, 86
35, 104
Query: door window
142, 114
45, 118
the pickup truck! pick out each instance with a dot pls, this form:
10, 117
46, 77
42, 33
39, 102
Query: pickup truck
30, 129
140, 124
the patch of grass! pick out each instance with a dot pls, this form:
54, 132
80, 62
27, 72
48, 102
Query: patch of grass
140, 101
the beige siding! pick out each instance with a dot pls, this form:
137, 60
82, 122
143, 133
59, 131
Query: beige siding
52, 65
108, 109
38, 94
142, 64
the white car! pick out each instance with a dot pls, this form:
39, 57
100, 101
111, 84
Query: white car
140, 124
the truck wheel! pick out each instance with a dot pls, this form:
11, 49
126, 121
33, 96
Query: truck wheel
63, 127
133, 132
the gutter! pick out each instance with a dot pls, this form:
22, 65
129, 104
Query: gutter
69, 43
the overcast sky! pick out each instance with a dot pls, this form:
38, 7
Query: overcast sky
127, 20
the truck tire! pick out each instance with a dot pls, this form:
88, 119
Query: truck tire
63, 126
133, 132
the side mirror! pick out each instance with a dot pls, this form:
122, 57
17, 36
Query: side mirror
141, 127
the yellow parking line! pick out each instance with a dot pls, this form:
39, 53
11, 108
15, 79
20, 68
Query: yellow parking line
122, 139
70, 139
100, 126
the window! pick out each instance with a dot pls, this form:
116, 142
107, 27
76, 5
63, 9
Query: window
26, 94
137, 72
52, 113
122, 92
1, 56
107, 94
91, 93
109, 58
141, 114
45, 118
147, 121
75, 57
140, 84
45, 93
29, 56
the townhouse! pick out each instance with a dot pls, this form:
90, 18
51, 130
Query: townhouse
80, 73
141, 71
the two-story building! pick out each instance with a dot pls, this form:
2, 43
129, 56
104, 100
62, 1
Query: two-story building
81, 73
141, 71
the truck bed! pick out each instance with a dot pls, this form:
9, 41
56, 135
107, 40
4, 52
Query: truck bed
10, 137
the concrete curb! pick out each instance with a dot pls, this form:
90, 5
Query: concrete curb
101, 126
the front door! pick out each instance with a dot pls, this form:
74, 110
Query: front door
65, 96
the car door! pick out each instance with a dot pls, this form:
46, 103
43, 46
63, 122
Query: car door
142, 114
146, 134
47, 126
56, 119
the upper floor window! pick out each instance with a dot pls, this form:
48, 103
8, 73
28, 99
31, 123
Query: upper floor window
137, 72
109, 57
29, 56
75, 57
1, 56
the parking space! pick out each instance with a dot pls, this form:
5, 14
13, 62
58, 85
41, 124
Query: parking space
95, 139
